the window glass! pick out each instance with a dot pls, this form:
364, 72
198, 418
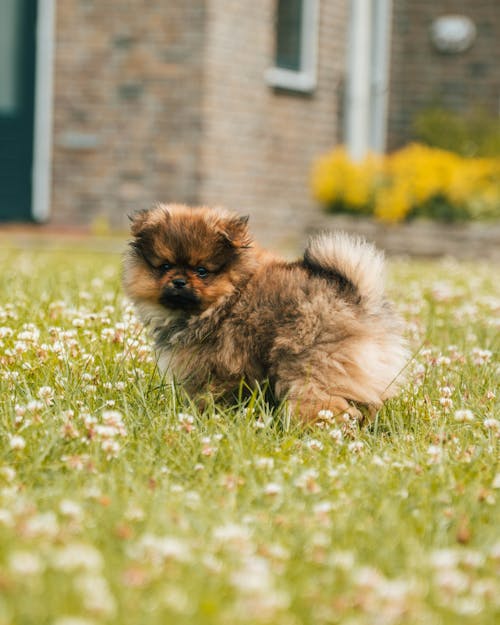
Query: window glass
288, 34
10, 11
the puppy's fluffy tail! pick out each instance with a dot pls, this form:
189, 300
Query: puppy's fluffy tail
349, 260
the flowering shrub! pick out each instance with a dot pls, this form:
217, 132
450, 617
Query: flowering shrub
416, 181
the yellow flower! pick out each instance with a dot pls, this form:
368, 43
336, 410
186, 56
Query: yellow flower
392, 203
427, 172
406, 182
338, 179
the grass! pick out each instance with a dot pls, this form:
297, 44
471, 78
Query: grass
119, 503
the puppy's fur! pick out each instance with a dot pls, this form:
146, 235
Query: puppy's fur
222, 310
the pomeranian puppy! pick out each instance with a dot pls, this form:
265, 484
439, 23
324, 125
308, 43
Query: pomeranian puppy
221, 310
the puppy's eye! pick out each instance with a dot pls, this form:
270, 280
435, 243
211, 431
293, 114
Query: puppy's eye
165, 267
201, 272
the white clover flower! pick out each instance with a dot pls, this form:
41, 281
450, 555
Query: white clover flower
492, 424
111, 448
272, 489
134, 513
57, 347
232, 533
30, 336
43, 524
468, 606
394, 593
177, 599
76, 556
444, 558
213, 564
443, 361
368, 577
307, 481
314, 444
337, 435
452, 580
184, 417
481, 356
160, 548
446, 402
264, 463
16, 442
6, 332
463, 415
46, 394
494, 552
10, 376
472, 559
25, 563
419, 369
442, 291
435, 453
114, 419
356, 447
322, 508
20, 347
106, 431
96, 595
8, 473
207, 448
35, 405
343, 560
70, 509
325, 415
254, 577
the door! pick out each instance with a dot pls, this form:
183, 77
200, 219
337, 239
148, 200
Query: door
17, 90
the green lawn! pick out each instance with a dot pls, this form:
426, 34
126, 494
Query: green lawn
119, 503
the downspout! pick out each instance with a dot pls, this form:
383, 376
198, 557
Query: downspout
358, 79
382, 23
44, 94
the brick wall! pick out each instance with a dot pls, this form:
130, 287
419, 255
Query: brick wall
127, 108
167, 101
258, 143
421, 76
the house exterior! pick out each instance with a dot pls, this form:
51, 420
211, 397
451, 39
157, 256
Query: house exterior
107, 107
426, 72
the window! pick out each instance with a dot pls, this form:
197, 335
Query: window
296, 35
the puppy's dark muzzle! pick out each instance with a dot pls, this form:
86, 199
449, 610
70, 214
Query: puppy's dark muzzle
179, 296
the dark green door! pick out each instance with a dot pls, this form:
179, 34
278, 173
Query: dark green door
17, 88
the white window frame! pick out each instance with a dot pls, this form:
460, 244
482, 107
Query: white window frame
304, 80
44, 99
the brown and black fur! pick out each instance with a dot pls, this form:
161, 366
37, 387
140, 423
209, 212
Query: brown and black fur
318, 329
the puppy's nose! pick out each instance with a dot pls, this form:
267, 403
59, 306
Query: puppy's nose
179, 283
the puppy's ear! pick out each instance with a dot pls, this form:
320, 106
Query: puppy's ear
137, 221
148, 218
235, 232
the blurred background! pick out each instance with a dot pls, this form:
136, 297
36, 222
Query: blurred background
108, 107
